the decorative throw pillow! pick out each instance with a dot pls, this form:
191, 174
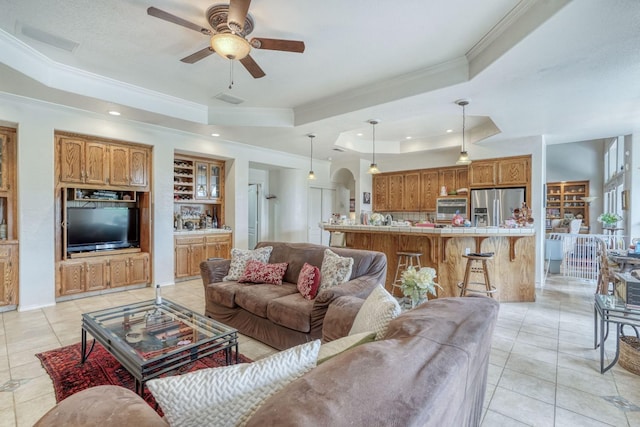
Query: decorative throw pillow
239, 258
309, 281
260, 272
376, 312
335, 347
334, 270
229, 395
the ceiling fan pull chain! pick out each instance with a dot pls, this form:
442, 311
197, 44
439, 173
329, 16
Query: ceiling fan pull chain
231, 74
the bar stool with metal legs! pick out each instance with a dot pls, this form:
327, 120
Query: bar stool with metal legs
405, 260
472, 267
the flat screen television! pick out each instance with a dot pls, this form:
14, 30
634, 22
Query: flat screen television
94, 229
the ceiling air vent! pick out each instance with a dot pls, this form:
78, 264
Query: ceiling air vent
47, 38
229, 99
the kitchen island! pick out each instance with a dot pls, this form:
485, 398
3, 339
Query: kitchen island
512, 270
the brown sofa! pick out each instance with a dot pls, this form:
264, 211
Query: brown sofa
278, 315
430, 369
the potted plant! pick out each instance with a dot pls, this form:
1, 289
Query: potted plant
609, 219
416, 284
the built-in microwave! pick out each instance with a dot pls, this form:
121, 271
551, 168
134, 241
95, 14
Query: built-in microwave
447, 207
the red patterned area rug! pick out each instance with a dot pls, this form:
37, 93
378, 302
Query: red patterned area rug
101, 368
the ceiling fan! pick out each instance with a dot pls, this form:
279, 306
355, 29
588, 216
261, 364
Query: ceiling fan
231, 24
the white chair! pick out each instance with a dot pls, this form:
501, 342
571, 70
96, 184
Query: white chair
574, 226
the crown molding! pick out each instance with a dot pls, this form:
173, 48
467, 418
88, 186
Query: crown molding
403, 86
28, 61
524, 18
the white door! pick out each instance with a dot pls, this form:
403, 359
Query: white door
254, 214
321, 201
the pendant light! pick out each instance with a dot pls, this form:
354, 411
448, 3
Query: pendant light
463, 159
311, 174
373, 168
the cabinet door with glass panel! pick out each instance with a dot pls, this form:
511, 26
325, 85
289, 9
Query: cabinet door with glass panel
209, 183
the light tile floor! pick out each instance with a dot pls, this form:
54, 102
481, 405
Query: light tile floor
543, 369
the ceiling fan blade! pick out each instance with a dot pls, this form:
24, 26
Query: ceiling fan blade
277, 44
197, 56
252, 67
154, 11
238, 10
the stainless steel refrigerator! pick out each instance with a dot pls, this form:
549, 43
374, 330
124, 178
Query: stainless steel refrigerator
490, 207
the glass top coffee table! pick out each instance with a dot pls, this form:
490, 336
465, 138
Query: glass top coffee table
151, 339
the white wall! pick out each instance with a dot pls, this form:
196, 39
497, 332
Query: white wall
37, 121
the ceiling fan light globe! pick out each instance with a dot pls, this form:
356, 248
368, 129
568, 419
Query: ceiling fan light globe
230, 46
463, 159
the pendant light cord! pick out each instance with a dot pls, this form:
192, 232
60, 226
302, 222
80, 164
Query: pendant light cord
311, 156
463, 126
374, 143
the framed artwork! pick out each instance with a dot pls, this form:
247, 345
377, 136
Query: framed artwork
352, 205
366, 198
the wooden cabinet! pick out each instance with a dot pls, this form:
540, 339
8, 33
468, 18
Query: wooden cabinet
8, 274
96, 273
462, 177
453, 178
505, 172
100, 163
514, 171
190, 251
208, 180
218, 247
564, 201
8, 226
396, 192
429, 190
388, 192
412, 193
110, 174
482, 173
380, 192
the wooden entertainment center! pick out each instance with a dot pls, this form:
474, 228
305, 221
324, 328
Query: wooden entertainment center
102, 174
8, 221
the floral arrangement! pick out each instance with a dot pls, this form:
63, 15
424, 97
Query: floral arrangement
609, 218
376, 218
416, 284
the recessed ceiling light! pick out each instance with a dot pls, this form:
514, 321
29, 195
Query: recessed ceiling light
114, 113
449, 130
215, 134
408, 137
359, 134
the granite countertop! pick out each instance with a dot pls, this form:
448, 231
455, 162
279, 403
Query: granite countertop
430, 230
205, 231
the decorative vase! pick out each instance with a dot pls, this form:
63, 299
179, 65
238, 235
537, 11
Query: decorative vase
417, 301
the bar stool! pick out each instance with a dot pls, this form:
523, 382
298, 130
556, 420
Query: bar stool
405, 260
472, 267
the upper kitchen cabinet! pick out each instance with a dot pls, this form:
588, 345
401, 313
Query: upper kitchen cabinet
380, 192
505, 172
482, 173
412, 191
429, 189
514, 171
453, 178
